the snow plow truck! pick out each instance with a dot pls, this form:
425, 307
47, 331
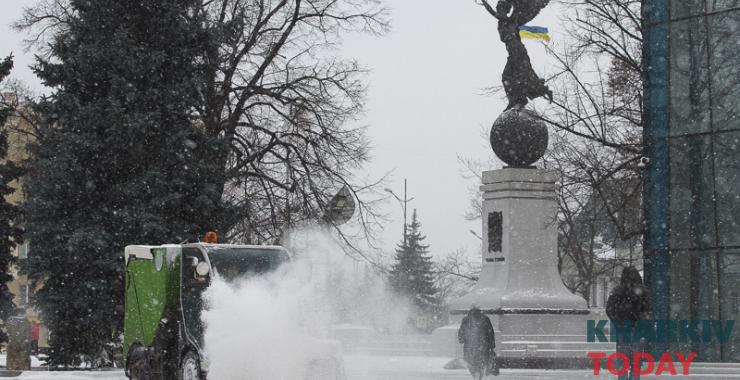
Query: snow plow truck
164, 285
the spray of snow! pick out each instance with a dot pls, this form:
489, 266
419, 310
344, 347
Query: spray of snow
274, 326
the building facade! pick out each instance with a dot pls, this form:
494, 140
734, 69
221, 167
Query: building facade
692, 189
18, 139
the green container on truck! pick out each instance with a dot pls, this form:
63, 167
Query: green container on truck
164, 285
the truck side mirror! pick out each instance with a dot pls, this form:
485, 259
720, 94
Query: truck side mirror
194, 262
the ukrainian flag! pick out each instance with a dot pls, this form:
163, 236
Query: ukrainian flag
534, 32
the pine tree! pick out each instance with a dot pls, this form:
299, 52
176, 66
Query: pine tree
412, 274
10, 232
118, 162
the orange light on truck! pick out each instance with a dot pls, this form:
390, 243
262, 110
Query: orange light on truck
211, 237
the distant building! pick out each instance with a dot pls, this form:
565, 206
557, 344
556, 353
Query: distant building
692, 188
19, 138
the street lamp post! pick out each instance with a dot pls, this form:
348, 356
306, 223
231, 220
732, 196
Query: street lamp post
403, 203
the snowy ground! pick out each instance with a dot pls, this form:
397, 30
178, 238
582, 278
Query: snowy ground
35, 360
395, 368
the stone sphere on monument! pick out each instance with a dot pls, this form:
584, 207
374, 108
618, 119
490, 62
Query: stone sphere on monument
519, 138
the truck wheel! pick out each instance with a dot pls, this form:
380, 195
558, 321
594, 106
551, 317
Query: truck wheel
190, 367
137, 368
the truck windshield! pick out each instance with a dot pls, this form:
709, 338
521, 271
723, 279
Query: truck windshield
234, 263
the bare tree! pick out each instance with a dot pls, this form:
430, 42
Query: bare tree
598, 227
456, 274
598, 90
597, 147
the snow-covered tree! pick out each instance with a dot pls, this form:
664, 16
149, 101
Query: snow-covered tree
413, 274
10, 231
118, 160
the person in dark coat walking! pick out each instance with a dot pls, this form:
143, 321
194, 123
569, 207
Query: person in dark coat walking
478, 339
628, 303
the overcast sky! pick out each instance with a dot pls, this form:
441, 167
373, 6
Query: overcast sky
425, 105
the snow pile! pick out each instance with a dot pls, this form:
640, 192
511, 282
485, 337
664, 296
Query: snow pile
273, 326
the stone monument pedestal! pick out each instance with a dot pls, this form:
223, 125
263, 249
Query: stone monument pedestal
520, 242
536, 318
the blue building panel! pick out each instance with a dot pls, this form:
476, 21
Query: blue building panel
691, 265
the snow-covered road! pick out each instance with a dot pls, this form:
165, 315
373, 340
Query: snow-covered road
397, 368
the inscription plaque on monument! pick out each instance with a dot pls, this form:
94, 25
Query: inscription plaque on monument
495, 231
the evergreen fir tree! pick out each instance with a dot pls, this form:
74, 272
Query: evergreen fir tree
118, 162
412, 274
10, 232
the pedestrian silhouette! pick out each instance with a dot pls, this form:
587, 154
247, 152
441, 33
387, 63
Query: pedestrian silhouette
478, 339
628, 303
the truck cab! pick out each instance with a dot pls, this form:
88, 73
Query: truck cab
164, 285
